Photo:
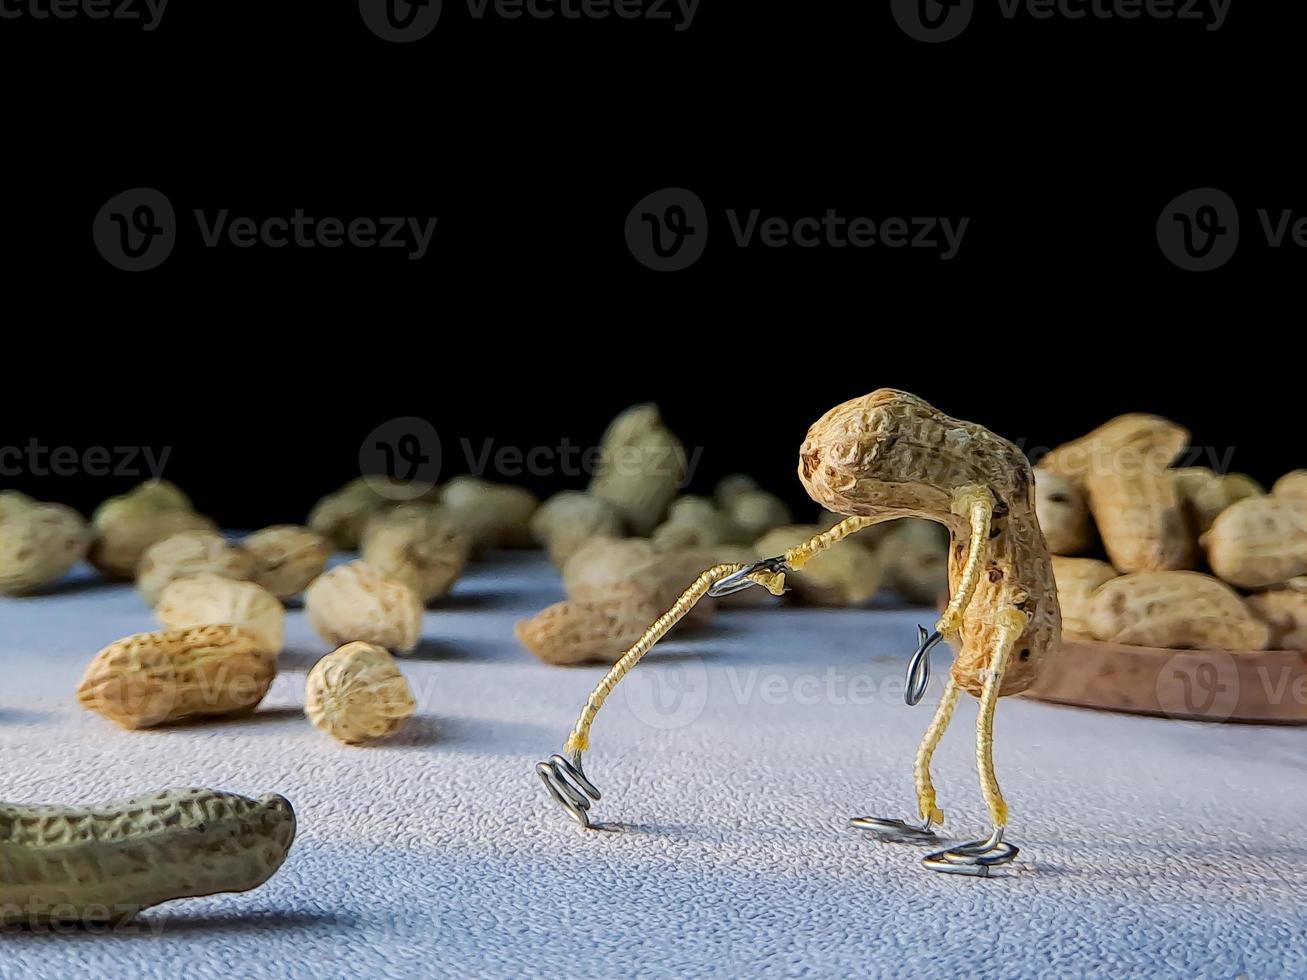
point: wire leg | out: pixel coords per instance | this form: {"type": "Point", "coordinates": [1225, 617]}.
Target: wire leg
{"type": "Point", "coordinates": [900, 831]}
{"type": "Point", "coordinates": [977, 857]}
{"type": "Point", "coordinates": [925, 786]}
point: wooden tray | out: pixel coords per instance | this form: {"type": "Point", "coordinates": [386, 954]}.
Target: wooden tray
{"type": "Point", "coordinates": [1263, 686]}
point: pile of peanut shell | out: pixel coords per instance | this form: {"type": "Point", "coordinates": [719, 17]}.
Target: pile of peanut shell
{"type": "Point", "coordinates": [220, 603]}
{"type": "Point", "coordinates": [1148, 553]}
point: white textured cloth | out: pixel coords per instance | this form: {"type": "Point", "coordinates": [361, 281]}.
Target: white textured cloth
{"type": "Point", "coordinates": [729, 762]}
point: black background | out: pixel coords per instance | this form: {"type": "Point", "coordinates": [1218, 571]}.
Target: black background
{"type": "Point", "coordinates": [529, 321]}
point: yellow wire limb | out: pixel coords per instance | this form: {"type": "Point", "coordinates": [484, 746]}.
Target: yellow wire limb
{"type": "Point", "coordinates": [977, 503]}
{"type": "Point", "coordinates": [773, 582]}
{"type": "Point", "coordinates": [1009, 632]}
{"type": "Point", "coordinates": [925, 786]}
{"type": "Point", "coordinates": [579, 740]}
{"type": "Point", "coordinates": [801, 554]}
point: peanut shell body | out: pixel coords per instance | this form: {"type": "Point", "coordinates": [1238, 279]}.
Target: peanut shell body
{"type": "Point", "coordinates": [356, 602]}
{"type": "Point", "coordinates": [1140, 518]}
{"type": "Point", "coordinates": [597, 630]}
{"type": "Point", "coordinates": [1174, 610]}
{"type": "Point", "coordinates": [209, 600]}
{"type": "Point", "coordinates": [1292, 485]}
{"type": "Point", "coordinates": [641, 467]}
{"type": "Point", "coordinates": [915, 556]}
{"type": "Point", "coordinates": [890, 454]}
{"type": "Point", "coordinates": [1259, 542]}
{"type": "Point", "coordinates": [490, 515]}
{"type": "Point", "coordinates": [1206, 494]}
{"type": "Point", "coordinates": [122, 542]}
{"type": "Point", "coordinates": [287, 558]}
{"type": "Point", "coordinates": [419, 546]}
{"type": "Point", "coordinates": [151, 497]}
{"type": "Point", "coordinates": [567, 520]}
{"type": "Point", "coordinates": [1285, 612]}
{"type": "Point", "coordinates": [357, 694]}
{"type": "Point", "coordinates": [1063, 513]}
{"type": "Point", "coordinates": [756, 512]}
{"type": "Point", "coordinates": [1148, 441]}
{"type": "Point", "coordinates": [695, 522]}
{"type": "Point", "coordinates": [104, 864]}
{"type": "Point", "coordinates": [730, 487]}
{"type": "Point", "coordinates": [186, 554]}
{"type": "Point", "coordinates": [634, 564]}
{"type": "Point", "coordinates": [159, 678]}
{"type": "Point", "coordinates": [39, 544]}
{"type": "Point", "coordinates": [1077, 579]}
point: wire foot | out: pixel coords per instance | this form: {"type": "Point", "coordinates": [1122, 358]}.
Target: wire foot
{"type": "Point", "coordinates": [974, 858]}
{"type": "Point", "coordinates": [895, 831]}
{"type": "Point", "coordinates": [568, 785]}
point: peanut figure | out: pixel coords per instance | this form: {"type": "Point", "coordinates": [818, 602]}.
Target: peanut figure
{"type": "Point", "coordinates": [889, 455]}
{"type": "Point", "coordinates": [881, 457]}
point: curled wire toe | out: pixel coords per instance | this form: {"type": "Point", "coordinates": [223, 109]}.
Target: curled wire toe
{"type": "Point", "coordinates": [974, 858]}
{"type": "Point", "coordinates": [568, 785]}
{"type": "Point", "coordinates": [895, 831]}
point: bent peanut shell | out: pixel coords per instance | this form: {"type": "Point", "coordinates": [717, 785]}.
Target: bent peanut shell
{"type": "Point", "coordinates": [104, 864]}
{"type": "Point", "coordinates": [890, 454]}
